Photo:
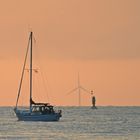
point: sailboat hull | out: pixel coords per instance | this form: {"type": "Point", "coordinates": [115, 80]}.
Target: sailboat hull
{"type": "Point", "coordinates": [27, 116]}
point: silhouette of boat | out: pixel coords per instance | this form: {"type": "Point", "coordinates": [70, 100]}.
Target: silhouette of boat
{"type": "Point", "coordinates": [36, 111]}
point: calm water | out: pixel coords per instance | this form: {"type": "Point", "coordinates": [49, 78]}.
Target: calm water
{"type": "Point", "coordinates": [77, 123]}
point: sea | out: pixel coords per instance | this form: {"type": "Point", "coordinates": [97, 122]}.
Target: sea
{"type": "Point", "coordinates": [77, 123]}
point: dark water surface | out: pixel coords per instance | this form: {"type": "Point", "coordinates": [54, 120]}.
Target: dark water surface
{"type": "Point", "coordinates": [77, 123]}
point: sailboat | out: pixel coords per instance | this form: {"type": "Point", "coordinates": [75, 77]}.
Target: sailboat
{"type": "Point", "coordinates": [35, 111]}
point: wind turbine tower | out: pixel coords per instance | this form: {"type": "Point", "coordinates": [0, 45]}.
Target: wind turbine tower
{"type": "Point", "coordinates": [79, 88]}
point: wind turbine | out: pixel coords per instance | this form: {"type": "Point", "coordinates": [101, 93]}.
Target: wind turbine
{"type": "Point", "coordinates": [79, 88]}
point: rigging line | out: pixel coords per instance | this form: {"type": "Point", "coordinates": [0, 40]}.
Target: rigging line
{"type": "Point", "coordinates": [36, 88]}
{"type": "Point", "coordinates": [23, 71]}
{"type": "Point", "coordinates": [42, 75]}
{"type": "Point", "coordinates": [34, 39]}
{"type": "Point", "coordinates": [44, 85]}
{"type": "Point", "coordinates": [37, 85]}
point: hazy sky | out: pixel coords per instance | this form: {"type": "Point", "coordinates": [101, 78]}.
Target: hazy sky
{"type": "Point", "coordinates": [100, 39]}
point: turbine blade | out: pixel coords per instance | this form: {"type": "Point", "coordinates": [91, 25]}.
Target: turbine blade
{"type": "Point", "coordinates": [72, 91]}
{"type": "Point", "coordinates": [85, 90]}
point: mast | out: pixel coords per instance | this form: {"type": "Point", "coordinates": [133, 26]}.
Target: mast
{"type": "Point", "coordinates": [31, 35]}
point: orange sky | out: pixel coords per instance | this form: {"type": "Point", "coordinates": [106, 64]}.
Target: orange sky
{"type": "Point", "coordinates": [100, 39]}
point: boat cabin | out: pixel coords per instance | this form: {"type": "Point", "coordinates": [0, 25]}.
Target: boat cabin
{"type": "Point", "coordinates": [43, 108]}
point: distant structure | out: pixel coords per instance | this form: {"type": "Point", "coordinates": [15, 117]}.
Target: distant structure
{"type": "Point", "coordinates": [79, 88]}
{"type": "Point", "coordinates": [93, 101]}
